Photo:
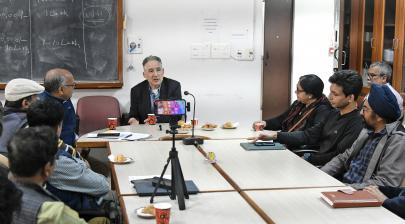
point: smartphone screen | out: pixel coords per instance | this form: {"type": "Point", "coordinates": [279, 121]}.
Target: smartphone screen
{"type": "Point", "coordinates": [170, 107]}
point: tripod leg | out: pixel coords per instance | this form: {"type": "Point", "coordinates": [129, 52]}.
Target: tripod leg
{"type": "Point", "coordinates": [179, 184]}
{"type": "Point", "coordinates": [182, 178]}
{"type": "Point", "coordinates": [173, 190]}
{"type": "Point", "coordinates": [160, 179]}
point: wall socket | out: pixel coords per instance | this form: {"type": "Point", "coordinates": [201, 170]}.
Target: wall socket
{"type": "Point", "coordinates": [246, 54]}
{"type": "Point", "coordinates": [134, 45]}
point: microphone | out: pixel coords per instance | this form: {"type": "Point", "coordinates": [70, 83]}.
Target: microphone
{"type": "Point", "coordinates": [192, 140]}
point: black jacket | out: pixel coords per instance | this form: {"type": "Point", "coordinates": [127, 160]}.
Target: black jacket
{"type": "Point", "coordinates": [396, 200]}
{"type": "Point", "coordinates": [140, 99]}
{"type": "Point", "coordinates": [318, 116]}
{"type": "Point", "coordinates": [333, 136]}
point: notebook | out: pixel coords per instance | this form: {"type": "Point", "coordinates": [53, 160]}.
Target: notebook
{"type": "Point", "coordinates": [337, 199]}
{"type": "Point", "coordinates": [250, 146]}
{"type": "Point", "coordinates": [144, 188]}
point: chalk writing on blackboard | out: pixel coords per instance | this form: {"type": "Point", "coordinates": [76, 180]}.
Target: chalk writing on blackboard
{"type": "Point", "coordinates": [79, 35]}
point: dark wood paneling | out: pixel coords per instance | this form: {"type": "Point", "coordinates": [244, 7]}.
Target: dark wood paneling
{"type": "Point", "coordinates": [278, 24]}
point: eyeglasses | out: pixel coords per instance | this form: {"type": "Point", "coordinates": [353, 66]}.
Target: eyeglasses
{"type": "Point", "coordinates": [299, 90]}
{"type": "Point", "coordinates": [366, 109]}
{"type": "Point", "coordinates": [71, 85]}
{"type": "Point", "coordinates": [373, 75]}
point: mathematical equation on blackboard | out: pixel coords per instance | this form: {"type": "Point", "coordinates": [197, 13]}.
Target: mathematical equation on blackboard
{"type": "Point", "coordinates": [37, 35]}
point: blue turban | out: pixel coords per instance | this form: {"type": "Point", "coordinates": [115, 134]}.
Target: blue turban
{"type": "Point", "coordinates": [383, 102]}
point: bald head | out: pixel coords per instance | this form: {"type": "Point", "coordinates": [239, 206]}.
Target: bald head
{"type": "Point", "coordinates": [57, 81]}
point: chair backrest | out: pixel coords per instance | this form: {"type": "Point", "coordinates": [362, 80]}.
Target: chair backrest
{"type": "Point", "coordinates": [93, 112]}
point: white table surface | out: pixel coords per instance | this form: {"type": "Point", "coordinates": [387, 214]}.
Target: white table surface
{"type": "Point", "coordinates": [305, 206]}
{"type": "Point", "coordinates": [153, 130]}
{"type": "Point", "coordinates": [150, 157]}
{"type": "Point", "coordinates": [266, 169]}
{"type": "Point", "coordinates": [241, 132]}
{"type": "Point", "coordinates": [221, 208]}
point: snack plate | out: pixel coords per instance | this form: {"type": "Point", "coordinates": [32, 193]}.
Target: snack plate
{"type": "Point", "coordinates": [183, 130]}
{"type": "Point", "coordinates": [234, 126]}
{"type": "Point", "coordinates": [127, 159]}
{"type": "Point", "coordinates": [144, 215]}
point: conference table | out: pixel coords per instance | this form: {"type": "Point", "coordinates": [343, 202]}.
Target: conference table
{"type": "Point", "coordinates": [214, 208]}
{"type": "Point", "coordinates": [158, 132]}
{"type": "Point", "coordinates": [305, 206]}
{"type": "Point", "coordinates": [266, 186]}
{"type": "Point", "coordinates": [149, 159]}
{"type": "Point", "coordinates": [266, 169]}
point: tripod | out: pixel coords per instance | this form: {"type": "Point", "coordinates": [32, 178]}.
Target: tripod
{"type": "Point", "coordinates": [178, 186]}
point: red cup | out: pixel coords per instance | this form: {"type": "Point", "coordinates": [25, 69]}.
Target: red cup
{"type": "Point", "coordinates": [162, 213]}
{"type": "Point", "coordinates": [194, 122]}
{"type": "Point", "coordinates": [112, 123]}
{"type": "Point", "coordinates": [152, 119]}
{"type": "Point", "coordinates": [259, 126]}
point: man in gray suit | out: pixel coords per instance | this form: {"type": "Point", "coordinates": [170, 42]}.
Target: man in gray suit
{"type": "Point", "coordinates": [377, 157]}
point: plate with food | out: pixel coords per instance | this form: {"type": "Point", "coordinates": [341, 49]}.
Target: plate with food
{"type": "Point", "coordinates": [120, 159]}
{"type": "Point", "coordinates": [183, 130]}
{"type": "Point", "coordinates": [209, 127]}
{"type": "Point", "coordinates": [147, 212]}
{"type": "Point", "coordinates": [230, 125]}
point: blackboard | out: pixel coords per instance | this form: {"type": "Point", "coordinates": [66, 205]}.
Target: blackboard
{"type": "Point", "coordinates": [83, 36]}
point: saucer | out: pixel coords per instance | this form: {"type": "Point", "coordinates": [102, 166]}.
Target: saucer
{"type": "Point", "coordinates": [127, 159]}
{"type": "Point", "coordinates": [144, 215]}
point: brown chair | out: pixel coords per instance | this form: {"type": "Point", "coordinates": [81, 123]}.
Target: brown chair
{"type": "Point", "coordinates": [93, 111]}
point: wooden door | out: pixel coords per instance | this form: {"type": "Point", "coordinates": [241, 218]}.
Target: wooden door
{"type": "Point", "coordinates": [278, 25]}
{"type": "Point", "coordinates": [398, 46]}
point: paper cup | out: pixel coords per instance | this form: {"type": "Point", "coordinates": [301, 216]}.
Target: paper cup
{"type": "Point", "coordinates": [112, 123]}
{"type": "Point", "coordinates": [152, 119]}
{"type": "Point", "coordinates": [162, 213]}
{"type": "Point", "coordinates": [194, 122]}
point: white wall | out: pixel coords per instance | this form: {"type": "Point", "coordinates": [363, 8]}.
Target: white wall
{"type": "Point", "coordinates": [312, 37]}
{"type": "Point", "coordinates": [225, 89]}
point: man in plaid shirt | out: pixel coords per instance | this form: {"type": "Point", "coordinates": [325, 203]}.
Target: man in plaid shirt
{"type": "Point", "coordinates": [377, 157]}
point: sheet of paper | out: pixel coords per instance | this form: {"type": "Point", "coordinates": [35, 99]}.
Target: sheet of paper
{"type": "Point", "coordinates": [129, 136]}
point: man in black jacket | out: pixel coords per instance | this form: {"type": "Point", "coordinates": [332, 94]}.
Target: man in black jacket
{"type": "Point", "coordinates": [393, 198]}
{"type": "Point", "coordinates": [336, 133]}
{"type": "Point", "coordinates": [155, 87]}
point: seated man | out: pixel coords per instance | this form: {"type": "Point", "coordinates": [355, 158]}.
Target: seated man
{"type": "Point", "coordinates": [59, 85]}
{"type": "Point", "coordinates": [377, 156]}
{"type": "Point", "coordinates": [10, 198]}
{"type": "Point", "coordinates": [393, 198]}
{"type": "Point", "coordinates": [380, 72]}
{"type": "Point", "coordinates": [32, 156]}
{"type": "Point", "coordinates": [72, 180]}
{"type": "Point", "coordinates": [155, 87]}
{"type": "Point", "coordinates": [19, 94]}
{"type": "Point", "coordinates": [336, 133]}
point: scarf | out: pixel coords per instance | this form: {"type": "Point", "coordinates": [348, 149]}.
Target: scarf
{"type": "Point", "coordinates": [299, 113]}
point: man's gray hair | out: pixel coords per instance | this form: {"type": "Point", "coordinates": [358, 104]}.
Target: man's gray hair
{"type": "Point", "coordinates": [53, 83]}
{"type": "Point", "coordinates": [384, 68]}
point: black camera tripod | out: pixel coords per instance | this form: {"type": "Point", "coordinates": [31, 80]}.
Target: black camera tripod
{"type": "Point", "coordinates": [178, 186]}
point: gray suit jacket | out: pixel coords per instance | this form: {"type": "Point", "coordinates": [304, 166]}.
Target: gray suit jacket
{"type": "Point", "coordinates": [387, 165]}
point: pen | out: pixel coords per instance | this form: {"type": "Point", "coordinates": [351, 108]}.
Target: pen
{"type": "Point", "coordinates": [128, 136]}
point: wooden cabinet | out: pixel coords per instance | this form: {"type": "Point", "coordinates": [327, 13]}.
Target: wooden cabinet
{"type": "Point", "coordinates": [373, 30]}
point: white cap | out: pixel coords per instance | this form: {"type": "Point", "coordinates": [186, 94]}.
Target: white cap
{"type": "Point", "coordinates": [17, 89]}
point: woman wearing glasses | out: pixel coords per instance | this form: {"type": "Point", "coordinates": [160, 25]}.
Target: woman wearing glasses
{"type": "Point", "coordinates": [310, 108]}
